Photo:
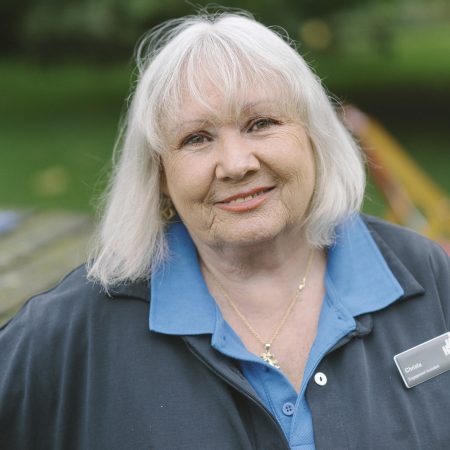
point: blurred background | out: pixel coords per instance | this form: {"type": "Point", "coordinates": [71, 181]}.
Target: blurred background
{"type": "Point", "coordinates": [66, 65]}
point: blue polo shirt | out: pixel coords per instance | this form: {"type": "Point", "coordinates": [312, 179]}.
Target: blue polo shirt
{"type": "Point", "coordinates": [357, 281]}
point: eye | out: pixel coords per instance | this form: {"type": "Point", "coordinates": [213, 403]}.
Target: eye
{"type": "Point", "coordinates": [194, 139]}
{"type": "Point", "coordinates": [262, 123]}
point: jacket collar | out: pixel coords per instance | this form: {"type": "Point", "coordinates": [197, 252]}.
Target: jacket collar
{"type": "Point", "coordinates": [130, 290]}
{"type": "Point", "coordinates": [407, 281]}
{"type": "Point", "coordinates": [411, 287]}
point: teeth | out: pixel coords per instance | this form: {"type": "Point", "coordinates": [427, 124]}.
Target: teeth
{"type": "Point", "coordinates": [244, 199]}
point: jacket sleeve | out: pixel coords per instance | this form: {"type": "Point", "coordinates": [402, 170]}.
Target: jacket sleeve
{"type": "Point", "coordinates": [440, 264]}
{"type": "Point", "coordinates": [41, 364]}
{"type": "Point", "coordinates": [25, 381]}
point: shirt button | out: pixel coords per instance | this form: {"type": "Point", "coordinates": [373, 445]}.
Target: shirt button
{"type": "Point", "coordinates": [320, 378]}
{"type": "Point", "coordinates": [288, 409]}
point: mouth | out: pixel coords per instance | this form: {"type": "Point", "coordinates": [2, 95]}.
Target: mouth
{"type": "Point", "coordinates": [246, 201]}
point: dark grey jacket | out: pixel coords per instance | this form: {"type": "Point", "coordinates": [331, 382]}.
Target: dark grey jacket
{"type": "Point", "coordinates": [80, 370]}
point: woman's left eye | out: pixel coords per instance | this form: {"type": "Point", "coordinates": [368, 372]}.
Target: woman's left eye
{"type": "Point", "coordinates": [262, 123]}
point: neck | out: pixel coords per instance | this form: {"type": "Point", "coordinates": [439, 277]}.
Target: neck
{"type": "Point", "coordinates": [241, 261]}
{"type": "Point", "coordinates": [260, 278]}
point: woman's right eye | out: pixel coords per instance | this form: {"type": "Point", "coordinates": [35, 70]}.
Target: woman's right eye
{"type": "Point", "coordinates": [194, 139]}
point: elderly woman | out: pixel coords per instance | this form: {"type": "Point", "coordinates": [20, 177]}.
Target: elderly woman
{"type": "Point", "coordinates": [235, 298]}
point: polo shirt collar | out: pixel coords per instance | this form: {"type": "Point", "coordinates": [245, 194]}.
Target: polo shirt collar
{"type": "Point", "coordinates": [358, 272]}
{"type": "Point", "coordinates": [182, 305]}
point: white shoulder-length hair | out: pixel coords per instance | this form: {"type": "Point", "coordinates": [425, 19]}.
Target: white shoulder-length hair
{"type": "Point", "coordinates": [234, 52]}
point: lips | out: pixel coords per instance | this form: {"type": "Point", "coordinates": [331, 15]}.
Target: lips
{"type": "Point", "coordinates": [246, 201]}
{"type": "Point", "coordinates": [245, 196]}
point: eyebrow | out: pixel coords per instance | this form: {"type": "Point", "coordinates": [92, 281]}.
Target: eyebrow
{"type": "Point", "coordinates": [188, 124]}
{"type": "Point", "coordinates": [206, 120]}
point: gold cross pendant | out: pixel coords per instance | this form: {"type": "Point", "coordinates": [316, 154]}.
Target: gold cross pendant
{"type": "Point", "coordinates": [268, 357]}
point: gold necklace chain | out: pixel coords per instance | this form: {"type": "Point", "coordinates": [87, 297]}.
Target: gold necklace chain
{"type": "Point", "coordinates": [267, 356]}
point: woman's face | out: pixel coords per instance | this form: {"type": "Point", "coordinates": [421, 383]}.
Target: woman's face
{"type": "Point", "coordinates": [241, 178]}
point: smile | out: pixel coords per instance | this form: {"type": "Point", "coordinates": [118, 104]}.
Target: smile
{"type": "Point", "coordinates": [245, 201]}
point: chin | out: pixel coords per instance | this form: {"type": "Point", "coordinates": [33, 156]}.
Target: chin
{"type": "Point", "coordinates": [249, 234]}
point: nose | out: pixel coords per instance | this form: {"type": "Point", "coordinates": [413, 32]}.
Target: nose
{"type": "Point", "coordinates": [236, 157]}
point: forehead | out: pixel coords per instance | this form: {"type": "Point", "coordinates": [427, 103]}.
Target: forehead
{"type": "Point", "coordinates": [217, 107]}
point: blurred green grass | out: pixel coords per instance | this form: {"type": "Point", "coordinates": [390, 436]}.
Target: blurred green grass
{"type": "Point", "coordinates": [58, 126]}
{"type": "Point", "coordinates": [415, 56]}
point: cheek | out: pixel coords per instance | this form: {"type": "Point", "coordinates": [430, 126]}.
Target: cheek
{"type": "Point", "coordinates": [185, 180]}
{"type": "Point", "coordinates": [293, 158]}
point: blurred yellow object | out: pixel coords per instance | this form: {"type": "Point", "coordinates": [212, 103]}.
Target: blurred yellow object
{"type": "Point", "coordinates": [316, 34]}
{"type": "Point", "coordinates": [51, 182]}
{"type": "Point", "coordinates": [413, 199]}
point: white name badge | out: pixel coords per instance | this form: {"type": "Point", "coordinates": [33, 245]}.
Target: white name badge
{"type": "Point", "coordinates": [425, 361]}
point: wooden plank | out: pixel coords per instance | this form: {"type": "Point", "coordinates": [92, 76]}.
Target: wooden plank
{"type": "Point", "coordinates": [38, 254]}
{"type": "Point", "coordinates": [37, 231]}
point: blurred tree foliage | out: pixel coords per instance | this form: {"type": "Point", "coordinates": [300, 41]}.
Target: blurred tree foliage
{"type": "Point", "coordinates": [107, 29]}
